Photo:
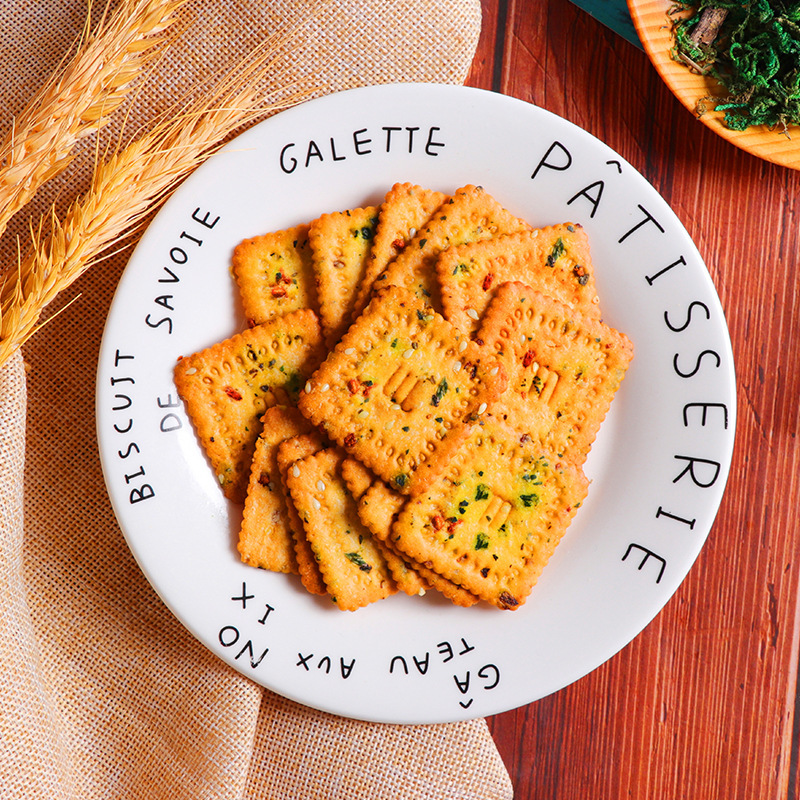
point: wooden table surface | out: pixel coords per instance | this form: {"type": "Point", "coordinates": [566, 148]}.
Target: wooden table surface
{"type": "Point", "coordinates": [701, 705]}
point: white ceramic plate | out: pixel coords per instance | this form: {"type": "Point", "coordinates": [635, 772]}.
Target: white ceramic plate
{"type": "Point", "coordinates": [658, 467]}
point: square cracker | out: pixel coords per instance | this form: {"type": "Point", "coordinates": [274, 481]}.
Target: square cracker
{"type": "Point", "coordinates": [359, 481]}
{"type": "Point", "coordinates": [352, 564]}
{"type": "Point", "coordinates": [401, 390]}
{"type": "Point", "coordinates": [289, 452]}
{"type": "Point", "coordinates": [266, 539]}
{"type": "Point", "coordinates": [378, 508]}
{"type": "Point", "coordinates": [405, 209]}
{"type": "Point", "coordinates": [274, 274]}
{"type": "Point", "coordinates": [492, 521]}
{"type": "Point", "coordinates": [470, 215]}
{"type": "Point", "coordinates": [563, 368]}
{"type": "Point", "coordinates": [556, 260]}
{"type": "Point", "coordinates": [340, 245]}
{"type": "Point", "coordinates": [227, 387]}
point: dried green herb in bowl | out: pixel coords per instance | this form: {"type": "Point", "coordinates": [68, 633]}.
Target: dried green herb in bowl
{"type": "Point", "coordinates": [752, 49]}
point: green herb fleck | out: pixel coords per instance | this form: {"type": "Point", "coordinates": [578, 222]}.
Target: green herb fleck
{"type": "Point", "coordinates": [481, 541]}
{"type": "Point", "coordinates": [529, 500]}
{"type": "Point", "coordinates": [358, 561]}
{"type": "Point", "coordinates": [556, 253]}
{"type": "Point", "coordinates": [441, 391]}
{"type": "Point", "coordinates": [481, 492]}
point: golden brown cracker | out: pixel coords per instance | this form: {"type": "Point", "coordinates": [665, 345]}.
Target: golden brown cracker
{"type": "Point", "coordinates": [274, 274]}
{"type": "Point", "coordinates": [291, 451]}
{"type": "Point", "coordinates": [362, 483]}
{"type": "Point", "coordinates": [492, 521]}
{"type": "Point", "coordinates": [340, 244]}
{"type": "Point", "coordinates": [265, 538]}
{"type": "Point", "coordinates": [564, 368]}
{"type": "Point", "coordinates": [352, 565]}
{"type": "Point", "coordinates": [406, 209]}
{"type": "Point", "coordinates": [227, 387]}
{"type": "Point", "coordinates": [555, 260]}
{"type": "Point", "coordinates": [378, 509]}
{"type": "Point", "coordinates": [470, 215]}
{"type": "Point", "coordinates": [401, 390]}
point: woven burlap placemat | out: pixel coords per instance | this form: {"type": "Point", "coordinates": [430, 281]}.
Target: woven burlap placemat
{"type": "Point", "coordinates": [102, 692]}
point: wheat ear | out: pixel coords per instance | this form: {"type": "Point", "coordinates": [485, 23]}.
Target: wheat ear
{"type": "Point", "coordinates": [79, 98]}
{"type": "Point", "coordinates": [126, 186]}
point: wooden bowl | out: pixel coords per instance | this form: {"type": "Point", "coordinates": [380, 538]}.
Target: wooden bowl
{"type": "Point", "coordinates": [653, 27]}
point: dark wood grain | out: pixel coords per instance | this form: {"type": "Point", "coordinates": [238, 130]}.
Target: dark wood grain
{"type": "Point", "coordinates": [701, 705]}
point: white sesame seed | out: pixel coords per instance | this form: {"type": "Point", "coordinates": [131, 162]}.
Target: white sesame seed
{"type": "Point", "coordinates": [296, 471]}
{"type": "Point", "coordinates": [191, 370]}
{"type": "Point", "coordinates": [221, 479]}
{"type": "Point", "coordinates": [494, 371]}
{"type": "Point", "coordinates": [321, 485]}
{"type": "Point", "coordinates": [412, 232]}
{"type": "Point", "coordinates": [481, 408]}
{"type": "Point", "coordinates": [363, 413]}
{"type": "Point", "coordinates": [522, 338]}
{"type": "Point", "coordinates": [462, 345]}
{"type": "Point", "coordinates": [457, 366]}
{"type": "Point", "coordinates": [389, 425]}
{"type": "Point", "coordinates": [308, 387]}
{"type": "Point", "coordinates": [349, 351]}
{"type": "Point", "coordinates": [317, 503]}
{"type": "Point", "coordinates": [325, 387]}
{"type": "Point", "coordinates": [408, 353]}
{"type": "Point", "coordinates": [395, 407]}
{"type": "Point", "coordinates": [472, 313]}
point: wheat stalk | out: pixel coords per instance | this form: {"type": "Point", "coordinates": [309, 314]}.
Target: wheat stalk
{"type": "Point", "coordinates": [79, 98]}
{"type": "Point", "coordinates": [126, 186]}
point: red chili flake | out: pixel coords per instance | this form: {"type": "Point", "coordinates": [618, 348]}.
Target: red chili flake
{"type": "Point", "coordinates": [479, 342]}
{"type": "Point", "coordinates": [353, 386]}
{"type": "Point", "coordinates": [438, 522]}
{"type": "Point", "coordinates": [263, 479]}
{"type": "Point", "coordinates": [527, 359]}
{"type": "Point", "coordinates": [232, 393]}
{"type": "Point", "coordinates": [350, 440]}
{"type": "Point", "coordinates": [399, 244]}
{"type": "Point", "coordinates": [251, 323]}
{"type": "Point", "coordinates": [526, 437]}
{"type": "Point", "coordinates": [286, 279]}
{"type": "Point", "coordinates": [451, 526]}
{"type": "Point", "coordinates": [366, 390]}
{"type": "Point", "coordinates": [487, 281]}
{"type": "Point", "coordinates": [278, 291]}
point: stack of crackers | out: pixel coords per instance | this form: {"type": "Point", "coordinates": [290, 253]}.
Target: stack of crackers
{"type": "Point", "coordinates": [413, 400]}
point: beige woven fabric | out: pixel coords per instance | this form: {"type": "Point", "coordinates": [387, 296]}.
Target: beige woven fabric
{"type": "Point", "coordinates": [103, 694]}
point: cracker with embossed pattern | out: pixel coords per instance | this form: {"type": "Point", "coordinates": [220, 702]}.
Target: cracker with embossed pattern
{"type": "Point", "coordinates": [378, 508]}
{"type": "Point", "coordinates": [470, 215]}
{"type": "Point", "coordinates": [266, 539]}
{"type": "Point", "coordinates": [340, 245]}
{"type": "Point", "coordinates": [406, 208]}
{"type": "Point", "coordinates": [402, 390]}
{"type": "Point", "coordinates": [274, 274]}
{"type": "Point", "coordinates": [556, 260]}
{"type": "Point", "coordinates": [563, 368]}
{"type": "Point", "coordinates": [227, 387]}
{"type": "Point", "coordinates": [291, 451]}
{"type": "Point", "coordinates": [491, 523]}
{"type": "Point", "coordinates": [359, 481]}
{"type": "Point", "coordinates": [351, 562]}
